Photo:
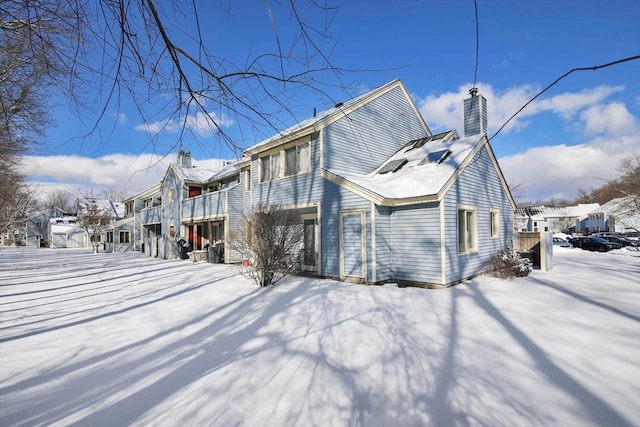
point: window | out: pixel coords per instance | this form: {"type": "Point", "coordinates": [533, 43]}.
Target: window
{"type": "Point", "coordinates": [109, 237]}
{"type": "Point", "coordinates": [495, 223]}
{"type": "Point", "coordinates": [298, 159]}
{"type": "Point", "coordinates": [270, 167]}
{"type": "Point", "coordinates": [172, 231]}
{"type": "Point", "coordinates": [172, 194]}
{"type": "Point", "coordinates": [128, 208]}
{"type": "Point", "coordinates": [467, 229]}
{"type": "Point", "coordinates": [124, 237]}
{"type": "Point", "coordinates": [247, 179]}
{"type": "Point", "coordinates": [436, 157]}
{"type": "Point", "coordinates": [393, 165]}
{"type": "Point", "coordinates": [38, 224]}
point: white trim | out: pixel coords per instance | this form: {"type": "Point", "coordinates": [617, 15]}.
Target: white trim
{"type": "Point", "coordinates": [374, 258]}
{"type": "Point", "coordinates": [474, 246]}
{"type": "Point", "coordinates": [313, 216]}
{"type": "Point", "coordinates": [443, 246]}
{"type": "Point", "coordinates": [495, 235]}
{"type": "Point", "coordinates": [363, 245]}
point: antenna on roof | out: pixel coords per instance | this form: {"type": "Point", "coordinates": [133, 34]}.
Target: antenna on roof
{"type": "Point", "coordinates": [314, 111]}
{"type": "Point", "coordinates": [473, 91]}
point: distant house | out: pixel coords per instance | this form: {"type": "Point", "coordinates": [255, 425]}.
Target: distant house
{"type": "Point", "coordinates": [617, 215]}
{"type": "Point", "coordinates": [569, 219]}
{"type": "Point", "coordinates": [66, 233]}
{"type": "Point", "coordinates": [380, 197]}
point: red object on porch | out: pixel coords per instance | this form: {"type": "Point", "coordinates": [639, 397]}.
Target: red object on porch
{"type": "Point", "coordinates": [246, 262]}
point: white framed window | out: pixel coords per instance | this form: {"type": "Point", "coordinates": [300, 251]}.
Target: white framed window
{"type": "Point", "coordinates": [124, 237]}
{"type": "Point", "coordinates": [297, 159]}
{"type": "Point", "coordinates": [270, 167]}
{"type": "Point", "coordinates": [467, 229]}
{"type": "Point", "coordinates": [494, 223]}
{"type": "Point", "coordinates": [172, 194]}
{"type": "Point", "coordinates": [247, 179]}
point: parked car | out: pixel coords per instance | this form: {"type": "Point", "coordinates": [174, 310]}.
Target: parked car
{"type": "Point", "coordinates": [594, 244]}
{"type": "Point", "coordinates": [622, 240]}
{"type": "Point", "coordinates": [632, 235]}
{"type": "Point", "coordinates": [559, 241]}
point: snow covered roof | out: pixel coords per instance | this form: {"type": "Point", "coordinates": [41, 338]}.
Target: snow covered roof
{"type": "Point", "coordinates": [341, 108]}
{"type": "Point", "coordinates": [194, 174]}
{"type": "Point", "coordinates": [421, 169]}
{"type": "Point", "coordinates": [612, 206]}
{"type": "Point", "coordinates": [544, 212]}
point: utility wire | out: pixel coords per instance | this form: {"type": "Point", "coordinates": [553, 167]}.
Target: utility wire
{"type": "Point", "coordinates": [596, 67]}
{"type": "Point", "coordinates": [475, 74]}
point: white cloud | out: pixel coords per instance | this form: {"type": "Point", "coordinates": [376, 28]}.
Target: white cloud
{"type": "Point", "coordinates": [444, 111]}
{"type": "Point", "coordinates": [606, 132]}
{"type": "Point", "coordinates": [560, 170]}
{"type": "Point", "coordinates": [611, 119]}
{"type": "Point", "coordinates": [201, 123]}
{"type": "Point", "coordinates": [132, 173]}
{"type": "Point", "coordinates": [121, 118]}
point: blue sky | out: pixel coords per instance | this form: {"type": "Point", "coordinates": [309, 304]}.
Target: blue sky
{"type": "Point", "coordinates": [571, 137]}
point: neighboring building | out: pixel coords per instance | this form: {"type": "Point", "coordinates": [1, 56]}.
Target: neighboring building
{"type": "Point", "coordinates": [568, 219]}
{"type": "Point", "coordinates": [66, 233]}
{"type": "Point", "coordinates": [380, 197]}
{"type": "Point", "coordinates": [618, 215]}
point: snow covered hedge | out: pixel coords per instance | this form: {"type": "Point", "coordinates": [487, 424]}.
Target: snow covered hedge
{"type": "Point", "coordinates": [508, 264]}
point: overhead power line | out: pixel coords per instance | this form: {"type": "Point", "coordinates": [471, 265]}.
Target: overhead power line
{"type": "Point", "coordinates": [596, 67]}
{"type": "Point", "coordinates": [475, 73]}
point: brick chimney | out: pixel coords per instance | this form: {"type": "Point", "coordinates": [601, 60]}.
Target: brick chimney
{"type": "Point", "coordinates": [474, 111]}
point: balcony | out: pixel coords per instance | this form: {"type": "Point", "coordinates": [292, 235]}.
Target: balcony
{"type": "Point", "coordinates": [205, 206]}
{"type": "Point", "coordinates": [151, 215]}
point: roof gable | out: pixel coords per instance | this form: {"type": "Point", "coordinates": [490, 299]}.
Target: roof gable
{"type": "Point", "coordinates": [328, 116]}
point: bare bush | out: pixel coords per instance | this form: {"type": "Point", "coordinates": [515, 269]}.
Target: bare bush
{"type": "Point", "coordinates": [269, 243]}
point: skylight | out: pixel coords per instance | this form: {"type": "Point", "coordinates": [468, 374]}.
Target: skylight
{"type": "Point", "coordinates": [436, 157]}
{"type": "Point", "coordinates": [393, 165]}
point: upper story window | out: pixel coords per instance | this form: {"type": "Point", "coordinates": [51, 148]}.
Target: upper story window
{"type": "Point", "coordinates": [270, 167]}
{"type": "Point", "coordinates": [172, 194]}
{"type": "Point", "coordinates": [128, 208]}
{"type": "Point", "coordinates": [298, 159]}
{"type": "Point", "coordinates": [247, 179]}
{"type": "Point", "coordinates": [291, 159]}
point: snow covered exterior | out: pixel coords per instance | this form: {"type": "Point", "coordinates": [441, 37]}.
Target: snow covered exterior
{"type": "Point", "coordinates": [381, 198]}
{"type": "Point", "coordinates": [568, 219]}
{"type": "Point", "coordinates": [618, 215]}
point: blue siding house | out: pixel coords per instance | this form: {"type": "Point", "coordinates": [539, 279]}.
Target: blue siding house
{"type": "Point", "coordinates": [380, 197]}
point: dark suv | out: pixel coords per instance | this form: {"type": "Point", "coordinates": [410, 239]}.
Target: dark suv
{"type": "Point", "coordinates": [594, 244]}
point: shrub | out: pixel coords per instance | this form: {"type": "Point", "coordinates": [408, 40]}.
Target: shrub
{"type": "Point", "coordinates": [508, 264]}
{"type": "Point", "coordinates": [269, 242]}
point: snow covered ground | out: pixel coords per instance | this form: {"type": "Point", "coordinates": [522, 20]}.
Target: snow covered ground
{"type": "Point", "coordinates": [121, 339]}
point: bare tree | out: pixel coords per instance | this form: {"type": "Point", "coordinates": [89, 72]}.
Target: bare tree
{"type": "Point", "coordinates": [94, 219]}
{"type": "Point", "coordinates": [114, 195]}
{"type": "Point", "coordinates": [270, 243]}
{"type": "Point", "coordinates": [61, 199]}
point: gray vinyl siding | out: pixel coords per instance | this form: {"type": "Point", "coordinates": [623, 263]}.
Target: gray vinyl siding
{"type": "Point", "coordinates": [383, 256]}
{"type": "Point", "coordinates": [415, 239]}
{"type": "Point", "coordinates": [171, 215]}
{"type": "Point", "coordinates": [299, 189]}
{"type": "Point", "coordinates": [479, 185]}
{"type": "Point", "coordinates": [236, 200]}
{"type": "Point", "coordinates": [336, 199]}
{"type": "Point", "coordinates": [371, 133]}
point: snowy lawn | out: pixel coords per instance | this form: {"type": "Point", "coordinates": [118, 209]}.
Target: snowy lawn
{"type": "Point", "coordinates": [121, 339]}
